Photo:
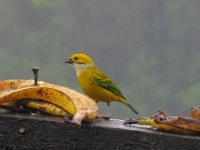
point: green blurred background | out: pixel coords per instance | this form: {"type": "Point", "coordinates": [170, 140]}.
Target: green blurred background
{"type": "Point", "coordinates": [151, 48]}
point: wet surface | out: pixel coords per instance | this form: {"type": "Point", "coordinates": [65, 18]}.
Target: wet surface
{"type": "Point", "coordinates": [49, 132]}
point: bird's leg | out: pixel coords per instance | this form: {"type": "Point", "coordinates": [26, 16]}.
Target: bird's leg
{"type": "Point", "coordinates": [108, 114]}
{"type": "Point", "coordinates": [104, 117]}
{"type": "Point", "coordinates": [108, 105]}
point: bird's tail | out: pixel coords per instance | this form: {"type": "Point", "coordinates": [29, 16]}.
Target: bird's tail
{"type": "Point", "coordinates": [132, 108]}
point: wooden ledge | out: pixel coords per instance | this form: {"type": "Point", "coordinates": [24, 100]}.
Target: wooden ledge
{"type": "Point", "coordinates": [22, 131]}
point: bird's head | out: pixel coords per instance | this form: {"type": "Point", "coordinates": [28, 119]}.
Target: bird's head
{"type": "Point", "coordinates": [80, 61]}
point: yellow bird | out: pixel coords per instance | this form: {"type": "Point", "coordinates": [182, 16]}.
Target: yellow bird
{"type": "Point", "coordinates": [94, 82]}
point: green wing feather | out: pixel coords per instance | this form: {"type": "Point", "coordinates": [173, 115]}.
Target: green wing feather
{"type": "Point", "coordinates": [104, 81]}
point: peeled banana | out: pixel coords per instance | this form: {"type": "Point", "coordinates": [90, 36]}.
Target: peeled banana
{"type": "Point", "coordinates": [74, 103]}
{"type": "Point", "coordinates": [47, 94]}
{"type": "Point", "coordinates": [44, 107]}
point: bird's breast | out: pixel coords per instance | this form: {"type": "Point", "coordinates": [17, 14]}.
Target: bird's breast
{"type": "Point", "coordinates": [93, 90]}
{"type": "Point", "coordinates": [87, 83]}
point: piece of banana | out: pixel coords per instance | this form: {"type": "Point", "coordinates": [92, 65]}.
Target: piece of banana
{"type": "Point", "coordinates": [47, 107]}
{"type": "Point", "coordinates": [195, 112]}
{"type": "Point", "coordinates": [37, 105]}
{"type": "Point", "coordinates": [160, 121]}
{"type": "Point", "coordinates": [47, 94]}
{"type": "Point", "coordinates": [176, 125]}
{"type": "Point", "coordinates": [76, 104]}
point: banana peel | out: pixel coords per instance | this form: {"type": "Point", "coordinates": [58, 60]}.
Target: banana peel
{"type": "Point", "coordinates": [195, 112]}
{"type": "Point", "coordinates": [8, 85]}
{"type": "Point", "coordinates": [180, 125]}
{"type": "Point", "coordinates": [69, 101]}
{"type": "Point", "coordinates": [47, 108]}
{"type": "Point", "coordinates": [34, 106]}
{"type": "Point", "coordinates": [47, 94]}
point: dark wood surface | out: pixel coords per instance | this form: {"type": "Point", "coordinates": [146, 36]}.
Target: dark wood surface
{"type": "Point", "coordinates": [19, 131]}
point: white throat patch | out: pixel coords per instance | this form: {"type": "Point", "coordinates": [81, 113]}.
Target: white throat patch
{"type": "Point", "coordinates": [80, 68]}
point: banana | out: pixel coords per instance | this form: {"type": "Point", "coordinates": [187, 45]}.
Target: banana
{"type": "Point", "coordinates": [37, 105]}
{"type": "Point", "coordinates": [9, 104]}
{"type": "Point", "coordinates": [47, 94]}
{"type": "Point", "coordinates": [47, 108]}
{"type": "Point", "coordinates": [181, 125]}
{"type": "Point", "coordinates": [8, 85]}
{"type": "Point", "coordinates": [195, 112]}
{"type": "Point", "coordinates": [70, 101]}
{"type": "Point", "coordinates": [176, 125]}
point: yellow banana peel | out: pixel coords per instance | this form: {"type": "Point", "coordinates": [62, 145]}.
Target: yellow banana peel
{"type": "Point", "coordinates": [47, 94]}
{"type": "Point", "coordinates": [181, 125]}
{"type": "Point", "coordinates": [47, 107]}
{"type": "Point", "coordinates": [76, 104]}
{"type": "Point", "coordinates": [195, 112]}
{"type": "Point", "coordinates": [186, 127]}
{"type": "Point", "coordinates": [37, 105]}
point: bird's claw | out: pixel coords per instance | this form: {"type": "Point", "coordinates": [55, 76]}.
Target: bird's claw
{"type": "Point", "coordinates": [130, 121]}
{"type": "Point", "coordinates": [103, 117]}
{"type": "Point", "coordinates": [70, 120]}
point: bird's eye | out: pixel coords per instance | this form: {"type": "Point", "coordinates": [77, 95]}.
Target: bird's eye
{"type": "Point", "coordinates": [75, 58]}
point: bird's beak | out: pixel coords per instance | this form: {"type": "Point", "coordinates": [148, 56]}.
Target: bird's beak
{"type": "Point", "coordinates": [69, 61]}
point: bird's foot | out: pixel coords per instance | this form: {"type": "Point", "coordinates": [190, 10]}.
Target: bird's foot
{"type": "Point", "coordinates": [103, 117]}
{"type": "Point", "coordinates": [70, 120]}
{"type": "Point", "coordinates": [130, 121]}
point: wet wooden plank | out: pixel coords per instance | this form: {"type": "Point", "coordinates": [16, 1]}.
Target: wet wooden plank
{"type": "Point", "coordinates": [19, 131]}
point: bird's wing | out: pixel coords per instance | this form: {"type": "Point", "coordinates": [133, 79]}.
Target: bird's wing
{"type": "Point", "coordinates": [104, 81]}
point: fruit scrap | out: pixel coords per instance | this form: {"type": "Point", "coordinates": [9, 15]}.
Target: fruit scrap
{"type": "Point", "coordinates": [44, 107]}
{"type": "Point", "coordinates": [50, 95]}
{"type": "Point", "coordinates": [160, 121]}
{"type": "Point", "coordinates": [195, 112]}
{"type": "Point", "coordinates": [54, 99]}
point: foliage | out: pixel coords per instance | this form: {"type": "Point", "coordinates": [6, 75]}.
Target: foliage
{"type": "Point", "coordinates": [151, 48]}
